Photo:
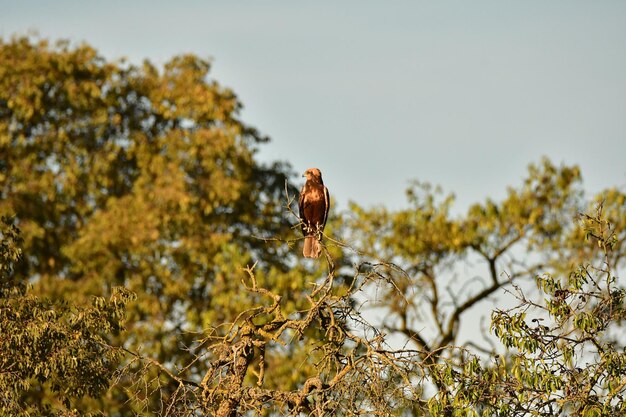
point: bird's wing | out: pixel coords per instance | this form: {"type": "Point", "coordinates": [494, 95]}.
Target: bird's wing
{"type": "Point", "coordinates": [301, 210]}
{"type": "Point", "coordinates": [326, 206]}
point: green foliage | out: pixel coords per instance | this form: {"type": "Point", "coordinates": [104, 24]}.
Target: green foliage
{"type": "Point", "coordinates": [561, 358]}
{"type": "Point", "coordinates": [137, 177]}
{"type": "Point", "coordinates": [47, 345]}
{"type": "Point", "coordinates": [10, 253]}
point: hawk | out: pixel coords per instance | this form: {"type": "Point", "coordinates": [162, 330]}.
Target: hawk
{"type": "Point", "coordinates": [314, 204]}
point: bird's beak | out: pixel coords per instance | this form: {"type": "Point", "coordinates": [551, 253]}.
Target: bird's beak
{"type": "Point", "coordinates": [304, 175]}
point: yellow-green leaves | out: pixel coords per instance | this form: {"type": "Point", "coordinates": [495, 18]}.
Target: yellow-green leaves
{"type": "Point", "coordinates": [142, 177]}
{"type": "Point", "coordinates": [51, 345]}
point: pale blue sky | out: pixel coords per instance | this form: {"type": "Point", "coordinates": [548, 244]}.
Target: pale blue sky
{"type": "Point", "coordinates": [462, 94]}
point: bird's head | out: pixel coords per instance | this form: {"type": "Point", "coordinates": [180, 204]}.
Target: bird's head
{"type": "Point", "coordinates": [313, 174]}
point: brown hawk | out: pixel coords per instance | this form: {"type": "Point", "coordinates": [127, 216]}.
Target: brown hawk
{"type": "Point", "coordinates": [314, 204]}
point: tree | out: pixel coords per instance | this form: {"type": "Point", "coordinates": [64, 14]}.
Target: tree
{"type": "Point", "coordinates": [527, 244]}
{"type": "Point", "coordinates": [129, 176]}
{"type": "Point", "coordinates": [428, 302]}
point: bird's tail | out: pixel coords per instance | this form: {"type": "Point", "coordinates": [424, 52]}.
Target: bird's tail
{"type": "Point", "coordinates": [312, 247]}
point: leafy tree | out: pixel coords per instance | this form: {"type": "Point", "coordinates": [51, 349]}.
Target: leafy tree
{"type": "Point", "coordinates": [528, 238]}
{"type": "Point", "coordinates": [524, 235]}
{"type": "Point", "coordinates": [130, 176]}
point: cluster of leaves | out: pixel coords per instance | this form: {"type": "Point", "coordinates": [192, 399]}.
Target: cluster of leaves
{"type": "Point", "coordinates": [51, 344]}
{"type": "Point", "coordinates": [564, 355]}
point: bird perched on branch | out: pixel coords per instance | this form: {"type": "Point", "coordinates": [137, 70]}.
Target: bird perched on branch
{"type": "Point", "coordinates": [314, 204]}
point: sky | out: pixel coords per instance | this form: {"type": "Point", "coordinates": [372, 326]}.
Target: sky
{"type": "Point", "coordinates": [375, 94]}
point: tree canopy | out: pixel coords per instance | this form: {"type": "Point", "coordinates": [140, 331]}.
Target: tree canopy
{"type": "Point", "coordinates": [149, 266]}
